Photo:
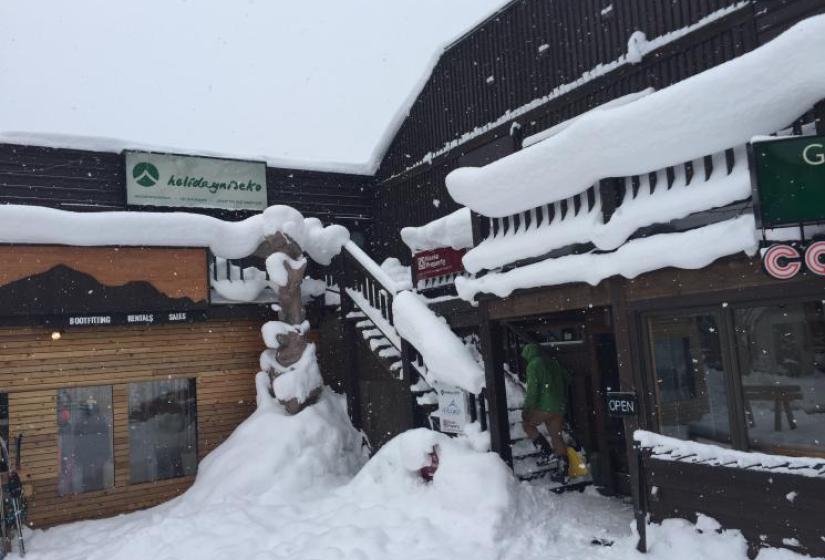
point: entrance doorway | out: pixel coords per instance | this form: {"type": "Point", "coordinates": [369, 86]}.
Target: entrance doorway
{"type": "Point", "coordinates": [582, 342]}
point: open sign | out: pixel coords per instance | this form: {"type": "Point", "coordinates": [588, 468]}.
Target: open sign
{"type": "Point", "coordinates": [784, 261]}
{"type": "Point", "coordinates": [622, 404]}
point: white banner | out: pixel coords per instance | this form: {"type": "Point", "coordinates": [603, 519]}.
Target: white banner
{"type": "Point", "coordinates": [194, 182]}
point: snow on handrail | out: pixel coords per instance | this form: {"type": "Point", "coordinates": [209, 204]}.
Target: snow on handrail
{"type": "Point", "coordinates": [372, 267]}
{"type": "Point", "coordinates": [671, 449]}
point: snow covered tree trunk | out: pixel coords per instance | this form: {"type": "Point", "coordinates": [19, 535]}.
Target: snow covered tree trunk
{"type": "Point", "coordinates": [290, 361]}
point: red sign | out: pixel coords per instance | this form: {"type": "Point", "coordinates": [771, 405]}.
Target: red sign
{"type": "Point", "coordinates": [438, 262]}
{"type": "Point", "coordinates": [786, 261]}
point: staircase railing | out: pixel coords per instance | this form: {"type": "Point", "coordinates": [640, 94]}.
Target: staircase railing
{"type": "Point", "coordinates": [370, 289]}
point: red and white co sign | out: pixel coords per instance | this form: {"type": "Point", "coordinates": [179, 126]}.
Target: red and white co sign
{"type": "Point", "coordinates": [782, 261]}
{"type": "Point", "coordinates": [785, 261]}
{"type": "Point", "coordinates": [814, 255]}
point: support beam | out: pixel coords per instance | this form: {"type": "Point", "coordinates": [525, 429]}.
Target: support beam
{"type": "Point", "coordinates": [491, 336]}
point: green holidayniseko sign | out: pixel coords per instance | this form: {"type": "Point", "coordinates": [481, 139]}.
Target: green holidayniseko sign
{"type": "Point", "coordinates": [194, 182]}
{"type": "Point", "coordinates": [789, 176]}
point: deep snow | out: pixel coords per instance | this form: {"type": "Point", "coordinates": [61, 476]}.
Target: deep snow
{"type": "Point", "coordinates": [294, 487]}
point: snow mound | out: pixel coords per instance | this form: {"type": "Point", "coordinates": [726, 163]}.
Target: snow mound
{"type": "Point", "coordinates": [452, 499]}
{"type": "Point", "coordinates": [273, 457]}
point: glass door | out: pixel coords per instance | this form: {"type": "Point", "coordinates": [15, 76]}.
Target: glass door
{"type": "Point", "coordinates": [690, 376]}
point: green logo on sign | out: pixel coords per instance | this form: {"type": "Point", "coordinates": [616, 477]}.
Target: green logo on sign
{"type": "Point", "coordinates": [145, 174]}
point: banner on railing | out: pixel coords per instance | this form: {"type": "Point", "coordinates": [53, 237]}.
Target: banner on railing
{"type": "Point", "coordinates": [437, 263]}
{"type": "Point", "coordinates": [453, 412]}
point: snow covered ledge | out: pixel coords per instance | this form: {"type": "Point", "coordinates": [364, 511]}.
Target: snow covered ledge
{"type": "Point", "coordinates": [763, 91]}
{"type": "Point", "coordinates": [228, 240]}
{"type": "Point", "coordinates": [453, 230]}
{"type": "Point", "coordinates": [667, 448]}
{"type": "Point", "coordinates": [692, 249]}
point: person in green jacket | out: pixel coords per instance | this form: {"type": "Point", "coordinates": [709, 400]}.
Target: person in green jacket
{"type": "Point", "coordinates": [546, 403]}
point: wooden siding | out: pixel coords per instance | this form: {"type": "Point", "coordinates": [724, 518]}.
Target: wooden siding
{"type": "Point", "coordinates": [457, 99]}
{"type": "Point", "coordinates": [84, 180]}
{"type": "Point", "coordinates": [757, 503]}
{"type": "Point", "coordinates": [221, 355]}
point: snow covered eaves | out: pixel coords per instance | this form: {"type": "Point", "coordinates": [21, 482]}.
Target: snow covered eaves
{"type": "Point", "coordinates": [453, 230]}
{"type": "Point", "coordinates": [692, 250]}
{"type": "Point", "coordinates": [644, 208]}
{"type": "Point", "coordinates": [755, 94]}
{"type": "Point", "coordinates": [228, 240]}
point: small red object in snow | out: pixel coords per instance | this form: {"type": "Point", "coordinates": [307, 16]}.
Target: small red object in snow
{"type": "Point", "coordinates": [428, 471]}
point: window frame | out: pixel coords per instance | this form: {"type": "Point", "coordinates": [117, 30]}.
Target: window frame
{"type": "Point", "coordinates": [724, 309]}
{"type": "Point", "coordinates": [649, 368]}
{"type": "Point", "coordinates": [112, 429]}
{"type": "Point", "coordinates": [193, 387]}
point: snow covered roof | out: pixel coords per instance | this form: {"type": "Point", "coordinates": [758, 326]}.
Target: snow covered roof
{"type": "Point", "coordinates": [292, 83]}
{"type": "Point", "coordinates": [764, 91]}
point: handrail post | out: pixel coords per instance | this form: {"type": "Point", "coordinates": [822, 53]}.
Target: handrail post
{"type": "Point", "coordinates": [349, 339]}
{"type": "Point", "coordinates": [639, 497]}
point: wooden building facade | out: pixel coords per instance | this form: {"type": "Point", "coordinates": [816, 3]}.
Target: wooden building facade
{"type": "Point", "coordinates": [122, 367]}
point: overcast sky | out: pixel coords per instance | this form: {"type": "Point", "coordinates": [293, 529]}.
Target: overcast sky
{"type": "Point", "coordinates": [314, 81]}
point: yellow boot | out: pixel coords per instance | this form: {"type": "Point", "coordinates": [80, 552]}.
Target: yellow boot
{"type": "Point", "coordinates": [576, 467]}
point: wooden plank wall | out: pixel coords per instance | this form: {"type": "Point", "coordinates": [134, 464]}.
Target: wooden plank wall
{"type": "Point", "coordinates": [221, 355]}
{"type": "Point", "coordinates": [767, 507]}
{"type": "Point", "coordinates": [84, 180]}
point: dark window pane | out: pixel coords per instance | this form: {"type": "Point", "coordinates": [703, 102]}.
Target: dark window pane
{"type": "Point", "coordinates": [782, 355]}
{"type": "Point", "coordinates": [690, 377]}
{"type": "Point", "coordinates": [162, 429]}
{"type": "Point", "coordinates": [84, 420]}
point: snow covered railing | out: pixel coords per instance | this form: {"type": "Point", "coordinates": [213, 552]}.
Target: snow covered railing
{"type": "Point", "coordinates": [666, 448]}
{"type": "Point", "coordinates": [608, 215]}
{"type": "Point", "coordinates": [371, 289]}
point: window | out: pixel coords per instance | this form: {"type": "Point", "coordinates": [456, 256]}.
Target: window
{"type": "Point", "coordinates": [162, 429]}
{"type": "Point", "coordinates": [781, 351]}
{"type": "Point", "coordinates": [84, 420]}
{"type": "Point", "coordinates": [690, 377]}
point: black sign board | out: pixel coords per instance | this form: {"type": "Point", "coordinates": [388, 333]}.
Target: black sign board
{"type": "Point", "coordinates": [622, 404]}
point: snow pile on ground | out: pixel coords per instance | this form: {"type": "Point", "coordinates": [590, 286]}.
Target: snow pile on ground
{"type": "Point", "coordinates": [764, 91]}
{"type": "Point", "coordinates": [447, 358]}
{"type": "Point", "coordinates": [692, 250]}
{"type": "Point", "coordinates": [453, 230]}
{"type": "Point", "coordinates": [287, 487]}
{"type": "Point", "coordinates": [230, 240]}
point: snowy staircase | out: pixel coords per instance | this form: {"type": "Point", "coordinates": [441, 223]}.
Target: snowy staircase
{"type": "Point", "coordinates": [525, 455]}
{"type": "Point", "coordinates": [369, 291]}
{"type": "Point", "coordinates": [379, 343]}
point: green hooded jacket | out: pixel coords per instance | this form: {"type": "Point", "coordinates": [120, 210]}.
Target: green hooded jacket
{"type": "Point", "coordinates": [547, 382]}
